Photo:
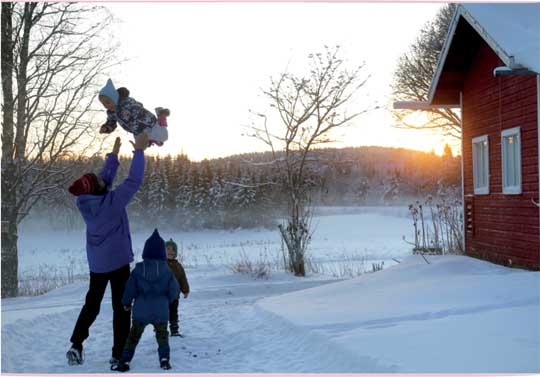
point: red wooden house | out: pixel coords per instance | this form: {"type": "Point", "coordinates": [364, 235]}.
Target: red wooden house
{"type": "Point", "coordinates": [489, 68]}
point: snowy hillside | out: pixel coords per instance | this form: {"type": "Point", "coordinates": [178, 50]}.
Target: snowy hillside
{"type": "Point", "coordinates": [455, 315]}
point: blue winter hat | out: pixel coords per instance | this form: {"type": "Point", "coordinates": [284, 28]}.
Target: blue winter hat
{"type": "Point", "coordinates": [109, 91]}
{"type": "Point", "coordinates": [154, 247]}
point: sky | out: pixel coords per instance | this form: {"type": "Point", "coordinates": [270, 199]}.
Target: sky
{"type": "Point", "coordinates": [209, 62]}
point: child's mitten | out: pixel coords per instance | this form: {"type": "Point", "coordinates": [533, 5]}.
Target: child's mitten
{"type": "Point", "coordinates": [106, 129]}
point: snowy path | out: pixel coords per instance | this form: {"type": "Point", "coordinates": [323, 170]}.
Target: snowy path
{"type": "Point", "coordinates": [225, 332]}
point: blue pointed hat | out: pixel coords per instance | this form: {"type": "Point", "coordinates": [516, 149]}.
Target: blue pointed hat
{"type": "Point", "coordinates": [154, 247]}
{"type": "Point", "coordinates": [109, 91]}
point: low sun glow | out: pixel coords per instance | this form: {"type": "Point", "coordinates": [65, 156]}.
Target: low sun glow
{"type": "Point", "coordinates": [429, 140]}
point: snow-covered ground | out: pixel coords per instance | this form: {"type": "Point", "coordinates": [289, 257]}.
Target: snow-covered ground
{"type": "Point", "coordinates": [456, 314]}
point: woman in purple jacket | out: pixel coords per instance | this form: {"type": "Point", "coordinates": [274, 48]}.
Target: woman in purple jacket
{"type": "Point", "coordinates": [108, 244]}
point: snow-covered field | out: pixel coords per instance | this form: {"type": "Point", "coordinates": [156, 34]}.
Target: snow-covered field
{"type": "Point", "coordinates": [355, 236]}
{"type": "Point", "coordinates": [456, 314]}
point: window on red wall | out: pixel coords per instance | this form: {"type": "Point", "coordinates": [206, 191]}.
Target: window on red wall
{"type": "Point", "coordinates": [480, 156]}
{"type": "Point", "coordinates": [511, 160]}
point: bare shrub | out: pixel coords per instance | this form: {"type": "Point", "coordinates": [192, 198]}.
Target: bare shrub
{"type": "Point", "coordinates": [350, 266]}
{"type": "Point", "coordinates": [259, 269]}
{"type": "Point", "coordinates": [377, 266]}
{"type": "Point", "coordinates": [47, 278]}
{"type": "Point", "coordinates": [438, 225]}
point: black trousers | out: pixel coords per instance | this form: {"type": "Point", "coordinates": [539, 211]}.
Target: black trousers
{"type": "Point", "coordinates": [90, 310]}
{"type": "Point", "coordinates": [173, 315]}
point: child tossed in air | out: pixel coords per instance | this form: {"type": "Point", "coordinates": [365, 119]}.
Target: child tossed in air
{"type": "Point", "coordinates": [131, 115]}
{"type": "Point", "coordinates": [153, 287]}
{"type": "Point", "coordinates": [180, 274]}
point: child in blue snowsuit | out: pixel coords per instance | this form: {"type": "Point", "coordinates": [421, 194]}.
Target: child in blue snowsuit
{"type": "Point", "coordinates": [153, 287]}
{"type": "Point", "coordinates": [131, 115]}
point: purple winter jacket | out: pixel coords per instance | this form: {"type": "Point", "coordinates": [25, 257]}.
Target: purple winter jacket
{"type": "Point", "coordinates": [108, 239]}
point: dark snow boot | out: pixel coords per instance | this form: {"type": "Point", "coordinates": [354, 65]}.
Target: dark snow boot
{"type": "Point", "coordinates": [120, 366]}
{"type": "Point", "coordinates": [164, 364]}
{"type": "Point", "coordinates": [175, 332]}
{"type": "Point", "coordinates": [163, 110]}
{"type": "Point", "coordinates": [75, 355]}
{"type": "Point", "coordinates": [113, 360]}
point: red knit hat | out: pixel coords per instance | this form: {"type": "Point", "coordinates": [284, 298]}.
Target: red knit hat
{"type": "Point", "coordinates": [87, 184]}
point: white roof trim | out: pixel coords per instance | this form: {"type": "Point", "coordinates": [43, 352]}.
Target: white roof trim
{"type": "Point", "coordinates": [418, 105]}
{"type": "Point", "coordinates": [444, 53]}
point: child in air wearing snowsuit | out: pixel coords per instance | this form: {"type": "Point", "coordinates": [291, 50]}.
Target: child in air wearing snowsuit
{"type": "Point", "coordinates": [153, 287]}
{"type": "Point", "coordinates": [131, 115]}
{"type": "Point", "coordinates": [180, 274]}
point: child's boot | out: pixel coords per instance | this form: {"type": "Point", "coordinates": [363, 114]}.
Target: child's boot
{"type": "Point", "coordinates": [162, 110]}
{"type": "Point", "coordinates": [162, 115]}
{"type": "Point", "coordinates": [174, 329]}
{"type": "Point", "coordinates": [164, 364]}
{"type": "Point", "coordinates": [121, 366]}
{"type": "Point", "coordinates": [113, 360]}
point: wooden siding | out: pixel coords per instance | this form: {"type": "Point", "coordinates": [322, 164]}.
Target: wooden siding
{"type": "Point", "coordinates": [506, 227]}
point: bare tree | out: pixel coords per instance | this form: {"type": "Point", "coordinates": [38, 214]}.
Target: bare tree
{"type": "Point", "coordinates": [54, 54]}
{"type": "Point", "coordinates": [306, 109]}
{"type": "Point", "coordinates": [415, 71]}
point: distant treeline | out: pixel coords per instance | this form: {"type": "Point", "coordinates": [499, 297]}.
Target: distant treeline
{"type": "Point", "coordinates": [246, 190]}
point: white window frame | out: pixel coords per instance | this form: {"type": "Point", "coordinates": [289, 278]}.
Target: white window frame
{"type": "Point", "coordinates": [481, 190]}
{"type": "Point", "coordinates": [515, 189]}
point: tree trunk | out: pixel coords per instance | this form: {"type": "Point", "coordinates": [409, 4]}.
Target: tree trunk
{"type": "Point", "coordinates": [294, 237]}
{"type": "Point", "coordinates": [299, 266]}
{"type": "Point", "coordinates": [10, 260]}
{"type": "Point", "coordinates": [22, 91]}
{"type": "Point", "coordinates": [298, 235]}
{"type": "Point", "coordinates": [9, 198]}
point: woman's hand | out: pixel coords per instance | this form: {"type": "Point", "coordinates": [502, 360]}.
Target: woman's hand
{"type": "Point", "coordinates": [141, 141]}
{"type": "Point", "coordinates": [116, 148]}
